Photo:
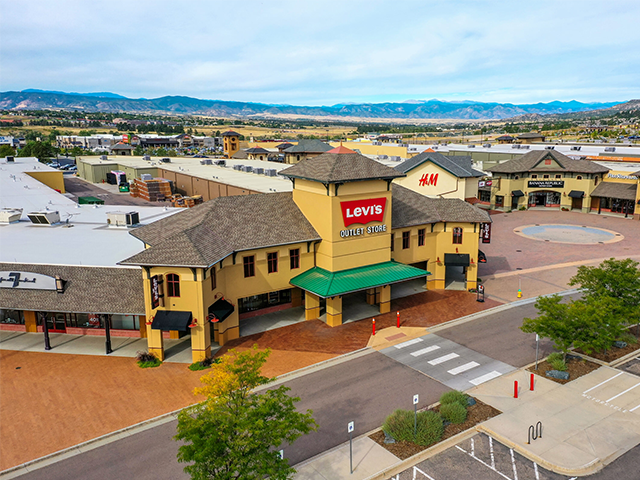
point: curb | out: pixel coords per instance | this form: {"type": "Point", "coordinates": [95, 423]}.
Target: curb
{"type": "Point", "coordinates": [590, 468]}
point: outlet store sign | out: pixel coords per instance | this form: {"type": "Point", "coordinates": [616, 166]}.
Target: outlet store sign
{"type": "Point", "coordinates": [362, 212]}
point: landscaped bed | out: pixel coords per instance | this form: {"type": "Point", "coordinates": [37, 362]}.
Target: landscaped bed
{"type": "Point", "coordinates": [576, 368]}
{"type": "Point", "coordinates": [476, 414]}
{"type": "Point", "coordinates": [615, 353]}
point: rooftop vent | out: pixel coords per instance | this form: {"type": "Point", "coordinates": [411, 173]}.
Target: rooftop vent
{"type": "Point", "coordinates": [610, 149]}
{"type": "Point", "coordinates": [10, 215]}
{"type": "Point", "coordinates": [44, 217]}
{"type": "Point", "coordinates": [123, 219]}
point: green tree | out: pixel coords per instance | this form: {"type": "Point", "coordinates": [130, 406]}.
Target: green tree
{"type": "Point", "coordinates": [602, 321]}
{"type": "Point", "coordinates": [6, 151]}
{"type": "Point", "coordinates": [235, 432]}
{"type": "Point", "coordinates": [40, 150]}
{"type": "Point", "coordinates": [138, 151]}
{"type": "Point", "coordinates": [555, 321]}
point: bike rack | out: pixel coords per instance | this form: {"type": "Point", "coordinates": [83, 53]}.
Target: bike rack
{"type": "Point", "coordinates": [534, 433]}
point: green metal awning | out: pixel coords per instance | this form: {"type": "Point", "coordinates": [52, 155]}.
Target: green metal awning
{"type": "Point", "coordinates": [325, 284]}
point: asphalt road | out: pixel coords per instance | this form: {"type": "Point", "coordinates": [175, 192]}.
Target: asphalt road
{"type": "Point", "coordinates": [364, 390]}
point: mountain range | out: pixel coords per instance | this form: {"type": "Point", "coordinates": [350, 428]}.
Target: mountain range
{"type": "Point", "coordinates": [180, 105]}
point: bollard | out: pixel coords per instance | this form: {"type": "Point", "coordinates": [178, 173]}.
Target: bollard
{"type": "Point", "coordinates": [515, 389]}
{"type": "Point", "coordinates": [519, 293]}
{"type": "Point", "coordinates": [398, 319]}
{"type": "Point", "coordinates": [531, 386]}
{"type": "Point", "coordinates": [373, 326]}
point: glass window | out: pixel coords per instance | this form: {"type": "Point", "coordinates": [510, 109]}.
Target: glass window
{"type": "Point", "coordinates": [595, 180]}
{"type": "Point", "coordinates": [500, 200]}
{"type": "Point", "coordinates": [579, 177]}
{"type": "Point", "coordinates": [421, 233]}
{"type": "Point", "coordinates": [393, 240]}
{"type": "Point", "coordinates": [249, 266]}
{"type": "Point", "coordinates": [457, 235]}
{"type": "Point", "coordinates": [406, 239]}
{"type": "Point", "coordinates": [294, 258]}
{"type": "Point", "coordinates": [534, 175]}
{"type": "Point", "coordinates": [558, 175]}
{"type": "Point", "coordinates": [516, 177]}
{"type": "Point", "coordinates": [173, 285]}
{"type": "Point", "coordinates": [545, 176]}
{"type": "Point", "coordinates": [125, 322]}
{"type": "Point", "coordinates": [15, 317]}
{"type": "Point", "coordinates": [484, 196]}
{"type": "Point", "coordinates": [257, 302]}
{"type": "Point", "coordinates": [272, 262]}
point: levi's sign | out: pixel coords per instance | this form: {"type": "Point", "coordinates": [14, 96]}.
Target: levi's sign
{"type": "Point", "coordinates": [363, 211]}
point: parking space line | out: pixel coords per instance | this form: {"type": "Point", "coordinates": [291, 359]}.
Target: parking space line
{"type": "Point", "coordinates": [463, 368]}
{"type": "Point", "coordinates": [513, 463]}
{"type": "Point", "coordinates": [485, 378]}
{"type": "Point", "coordinates": [602, 383]}
{"type": "Point", "coordinates": [634, 408]}
{"type": "Point", "coordinates": [444, 358]}
{"type": "Point", "coordinates": [620, 394]}
{"type": "Point", "coordinates": [483, 463]}
{"type": "Point", "coordinates": [408, 342]}
{"type": "Point", "coordinates": [422, 351]}
{"type": "Point", "coordinates": [416, 470]}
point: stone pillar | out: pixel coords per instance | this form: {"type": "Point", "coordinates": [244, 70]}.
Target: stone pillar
{"type": "Point", "coordinates": [30, 321]}
{"type": "Point", "coordinates": [334, 311]}
{"type": "Point", "coordinates": [201, 341]}
{"type": "Point", "coordinates": [296, 297]}
{"type": "Point", "coordinates": [155, 342]}
{"type": "Point", "coordinates": [311, 306]}
{"type": "Point", "coordinates": [229, 329]}
{"type": "Point", "coordinates": [385, 299]}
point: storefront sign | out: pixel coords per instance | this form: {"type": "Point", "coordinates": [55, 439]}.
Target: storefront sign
{"type": "Point", "coordinates": [545, 183]}
{"type": "Point", "coordinates": [428, 179]}
{"type": "Point", "coordinates": [622, 177]}
{"type": "Point", "coordinates": [363, 211]}
{"type": "Point", "coordinates": [155, 292]}
{"type": "Point", "coordinates": [28, 280]}
{"type": "Point", "coordinates": [481, 183]}
{"type": "Point", "coordinates": [485, 232]}
{"type": "Point", "coordinates": [354, 232]}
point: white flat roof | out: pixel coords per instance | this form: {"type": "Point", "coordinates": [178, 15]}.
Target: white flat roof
{"type": "Point", "coordinates": [192, 166]}
{"type": "Point", "coordinates": [82, 237]}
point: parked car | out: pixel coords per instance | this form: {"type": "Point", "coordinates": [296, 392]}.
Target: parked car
{"type": "Point", "coordinates": [54, 165]}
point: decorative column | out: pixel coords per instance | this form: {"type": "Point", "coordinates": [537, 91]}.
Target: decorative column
{"type": "Point", "coordinates": [334, 311]}
{"type": "Point", "coordinates": [311, 306]}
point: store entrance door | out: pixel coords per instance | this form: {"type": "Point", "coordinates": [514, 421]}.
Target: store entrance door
{"type": "Point", "coordinates": [576, 204]}
{"type": "Point", "coordinates": [56, 323]}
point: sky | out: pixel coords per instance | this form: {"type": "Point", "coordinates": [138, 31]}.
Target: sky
{"type": "Point", "coordinates": [312, 52]}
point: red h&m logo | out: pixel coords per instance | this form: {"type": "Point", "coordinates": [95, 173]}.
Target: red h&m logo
{"type": "Point", "coordinates": [363, 211]}
{"type": "Point", "coordinates": [428, 179]}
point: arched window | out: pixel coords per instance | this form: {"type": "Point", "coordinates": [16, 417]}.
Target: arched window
{"type": "Point", "coordinates": [173, 285]}
{"type": "Point", "coordinates": [457, 235]}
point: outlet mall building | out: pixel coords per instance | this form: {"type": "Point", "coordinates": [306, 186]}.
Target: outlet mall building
{"type": "Point", "coordinates": [345, 234]}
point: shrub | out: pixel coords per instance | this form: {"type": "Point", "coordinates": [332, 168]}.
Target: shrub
{"type": "Point", "coordinates": [554, 357]}
{"type": "Point", "coordinates": [400, 425]}
{"type": "Point", "coordinates": [454, 412]}
{"type": "Point", "coordinates": [627, 337]}
{"type": "Point", "coordinates": [147, 360]}
{"type": "Point", "coordinates": [558, 364]}
{"type": "Point", "coordinates": [203, 364]}
{"type": "Point", "coordinates": [455, 396]}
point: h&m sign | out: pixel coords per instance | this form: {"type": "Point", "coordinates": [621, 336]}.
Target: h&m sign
{"type": "Point", "coordinates": [363, 211]}
{"type": "Point", "coordinates": [428, 179]}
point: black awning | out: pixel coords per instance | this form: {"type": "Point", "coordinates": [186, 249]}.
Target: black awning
{"type": "Point", "coordinates": [482, 258]}
{"type": "Point", "coordinates": [220, 310]}
{"type": "Point", "coordinates": [576, 194]}
{"type": "Point", "coordinates": [517, 193]}
{"type": "Point", "coordinates": [167, 320]}
{"type": "Point", "coordinates": [456, 259]}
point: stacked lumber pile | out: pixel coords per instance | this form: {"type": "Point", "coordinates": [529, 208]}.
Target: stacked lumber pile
{"type": "Point", "coordinates": [154, 190]}
{"type": "Point", "coordinates": [186, 202]}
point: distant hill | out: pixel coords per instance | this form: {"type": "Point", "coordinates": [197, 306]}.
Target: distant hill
{"type": "Point", "coordinates": [94, 94]}
{"type": "Point", "coordinates": [410, 110]}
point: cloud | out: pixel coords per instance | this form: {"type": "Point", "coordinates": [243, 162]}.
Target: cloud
{"type": "Point", "coordinates": [325, 52]}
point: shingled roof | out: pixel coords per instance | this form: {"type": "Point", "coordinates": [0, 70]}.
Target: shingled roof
{"type": "Point", "coordinates": [204, 235]}
{"type": "Point", "coordinates": [624, 191]}
{"type": "Point", "coordinates": [309, 146]}
{"type": "Point", "coordinates": [334, 167]}
{"type": "Point", "coordinates": [457, 166]}
{"type": "Point", "coordinates": [531, 162]}
{"type": "Point", "coordinates": [410, 208]}
{"type": "Point", "coordinates": [88, 290]}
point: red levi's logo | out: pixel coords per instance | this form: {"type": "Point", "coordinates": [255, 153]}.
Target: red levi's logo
{"type": "Point", "coordinates": [363, 211]}
{"type": "Point", "coordinates": [428, 179]}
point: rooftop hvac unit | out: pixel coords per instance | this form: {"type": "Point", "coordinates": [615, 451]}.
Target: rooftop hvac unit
{"type": "Point", "coordinates": [526, 147]}
{"type": "Point", "coordinates": [10, 159]}
{"type": "Point", "coordinates": [377, 144]}
{"type": "Point", "coordinates": [220, 163]}
{"type": "Point", "coordinates": [471, 146]}
{"type": "Point", "coordinates": [146, 157]}
{"type": "Point", "coordinates": [486, 145]}
{"type": "Point", "coordinates": [610, 149]}
{"type": "Point", "coordinates": [238, 167]}
{"type": "Point", "coordinates": [259, 170]}
{"type": "Point", "coordinates": [146, 176]}
{"type": "Point", "coordinates": [247, 168]}
{"type": "Point", "coordinates": [103, 157]}
{"type": "Point", "coordinates": [576, 147]}
{"type": "Point", "coordinates": [206, 161]}
{"type": "Point", "coordinates": [10, 215]}
{"type": "Point", "coordinates": [550, 147]}
{"type": "Point", "coordinates": [515, 145]}
{"type": "Point", "coordinates": [435, 147]}
{"type": "Point", "coordinates": [395, 158]}
{"type": "Point", "coordinates": [270, 172]}
{"type": "Point", "coordinates": [44, 217]}
{"type": "Point", "coordinates": [383, 157]}
{"type": "Point", "coordinates": [123, 219]}
{"type": "Point", "coordinates": [403, 144]}
{"type": "Point", "coordinates": [165, 160]}
{"type": "Point", "coordinates": [357, 150]}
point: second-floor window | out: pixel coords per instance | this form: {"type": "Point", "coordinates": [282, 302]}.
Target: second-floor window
{"type": "Point", "coordinates": [421, 233]}
{"type": "Point", "coordinates": [173, 285]}
{"type": "Point", "coordinates": [457, 235]}
{"type": "Point", "coordinates": [294, 258]}
{"type": "Point", "coordinates": [272, 262]}
{"type": "Point", "coordinates": [249, 266]}
{"type": "Point", "coordinates": [406, 239]}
